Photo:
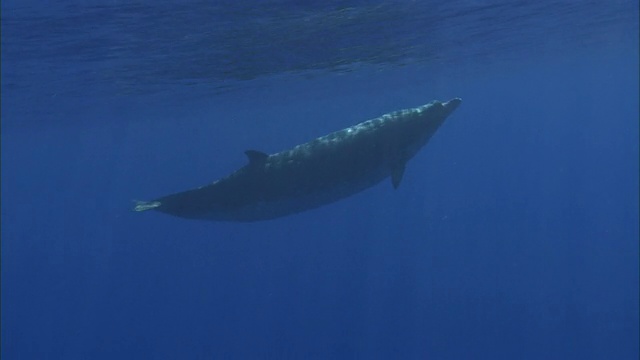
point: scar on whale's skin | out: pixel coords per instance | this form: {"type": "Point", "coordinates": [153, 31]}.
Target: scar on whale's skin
{"type": "Point", "coordinates": [316, 173]}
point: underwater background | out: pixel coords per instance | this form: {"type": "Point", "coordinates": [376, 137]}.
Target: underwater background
{"type": "Point", "coordinates": [514, 234]}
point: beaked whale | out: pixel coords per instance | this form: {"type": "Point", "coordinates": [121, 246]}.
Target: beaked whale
{"type": "Point", "coordinates": [322, 171]}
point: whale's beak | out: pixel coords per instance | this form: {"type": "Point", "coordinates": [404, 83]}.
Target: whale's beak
{"type": "Point", "coordinates": [452, 105]}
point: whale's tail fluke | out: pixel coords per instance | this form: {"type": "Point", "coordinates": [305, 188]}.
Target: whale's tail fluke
{"type": "Point", "coordinates": [146, 205]}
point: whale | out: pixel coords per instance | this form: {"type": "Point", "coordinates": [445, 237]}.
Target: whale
{"type": "Point", "coordinates": [319, 172]}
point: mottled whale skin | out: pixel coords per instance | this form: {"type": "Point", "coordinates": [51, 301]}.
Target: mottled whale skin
{"type": "Point", "coordinates": [313, 174]}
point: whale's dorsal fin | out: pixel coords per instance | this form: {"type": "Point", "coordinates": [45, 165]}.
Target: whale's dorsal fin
{"type": "Point", "coordinates": [256, 157]}
{"type": "Point", "coordinates": [396, 175]}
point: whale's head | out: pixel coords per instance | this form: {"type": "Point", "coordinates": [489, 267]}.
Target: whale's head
{"type": "Point", "coordinates": [411, 129]}
{"type": "Point", "coordinates": [433, 114]}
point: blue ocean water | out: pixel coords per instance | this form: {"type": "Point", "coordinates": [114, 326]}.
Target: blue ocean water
{"type": "Point", "coordinates": [514, 234]}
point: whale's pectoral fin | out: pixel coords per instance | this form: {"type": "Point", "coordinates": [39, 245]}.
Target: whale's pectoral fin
{"type": "Point", "coordinates": [256, 157]}
{"type": "Point", "coordinates": [396, 175]}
